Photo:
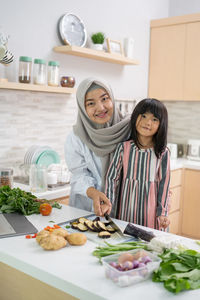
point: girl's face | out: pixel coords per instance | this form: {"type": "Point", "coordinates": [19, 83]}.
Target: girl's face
{"type": "Point", "coordinates": [147, 125]}
{"type": "Point", "coordinates": [99, 106]}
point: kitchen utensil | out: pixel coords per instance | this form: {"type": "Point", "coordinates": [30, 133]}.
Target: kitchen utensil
{"type": "Point", "coordinates": [72, 30]}
{"type": "Point", "coordinates": [113, 225]}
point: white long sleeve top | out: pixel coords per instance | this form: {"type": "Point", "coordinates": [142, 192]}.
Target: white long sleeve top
{"type": "Point", "coordinates": [85, 168]}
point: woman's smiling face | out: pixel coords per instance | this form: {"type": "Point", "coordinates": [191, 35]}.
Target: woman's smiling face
{"type": "Point", "coordinates": [99, 106]}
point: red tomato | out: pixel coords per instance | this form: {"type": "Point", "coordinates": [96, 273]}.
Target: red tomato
{"type": "Point", "coordinates": [45, 209]}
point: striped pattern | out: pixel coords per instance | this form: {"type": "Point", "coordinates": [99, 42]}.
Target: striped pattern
{"type": "Point", "coordinates": [137, 184]}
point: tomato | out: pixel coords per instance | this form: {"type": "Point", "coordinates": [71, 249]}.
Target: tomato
{"type": "Point", "coordinates": [45, 209]}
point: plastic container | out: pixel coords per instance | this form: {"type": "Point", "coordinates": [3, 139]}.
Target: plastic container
{"type": "Point", "coordinates": [25, 66]}
{"type": "Point", "coordinates": [53, 73]}
{"type": "Point", "coordinates": [126, 278]}
{"type": "Point", "coordinates": [39, 71]}
{"type": "Point", "coordinates": [38, 178]}
{"type": "Point", "coordinates": [6, 177]}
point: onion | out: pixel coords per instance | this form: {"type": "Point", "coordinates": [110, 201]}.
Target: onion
{"type": "Point", "coordinates": [125, 257]}
{"type": "Point", "coordinates": [146, 259]}
{"type": "Point", "coordinates": [127, 265]}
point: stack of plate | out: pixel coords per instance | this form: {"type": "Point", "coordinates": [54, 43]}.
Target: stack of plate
{"type": "Point", "coordinates": [41, 155]}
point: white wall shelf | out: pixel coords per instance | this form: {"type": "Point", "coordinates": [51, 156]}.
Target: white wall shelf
{"type": "Point", "coordinates": [96, 55]}
{"type": "Point", "coordinates": [36, 88]}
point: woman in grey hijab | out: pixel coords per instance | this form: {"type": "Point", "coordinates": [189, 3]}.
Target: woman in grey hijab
{"type": "Point", "coordinates": [90, 145]}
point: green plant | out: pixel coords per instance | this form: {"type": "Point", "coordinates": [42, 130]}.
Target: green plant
{"type": "Point", "coordinates": [98, 38]}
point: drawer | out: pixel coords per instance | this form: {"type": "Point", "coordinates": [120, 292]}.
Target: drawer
{"type": "Point", "coordinates": [175, 199]}
{"type": "Point", "coordinates": [176, 178]}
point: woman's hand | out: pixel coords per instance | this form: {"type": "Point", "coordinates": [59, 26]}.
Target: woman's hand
{"type": "Point", "coordinates": [164, 221]}
{"type": "Point", "coordinates": [101, 203]}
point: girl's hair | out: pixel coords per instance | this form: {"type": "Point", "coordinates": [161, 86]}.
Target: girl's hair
{"type": "Point", "coordinates": [159, 110]}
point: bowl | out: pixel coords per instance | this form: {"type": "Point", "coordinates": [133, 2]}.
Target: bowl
{"type": "Point", "coordinates": [134, 275]}
{"type": "Point", "coordinates": [67, 81]}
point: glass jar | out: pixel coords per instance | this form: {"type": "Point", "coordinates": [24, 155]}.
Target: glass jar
{"type": "Point", "coordinates": [53, 73]}
{"type": "Point", "coordinates": [38, 178]}
{"type": "Point", "coordinates": [39, 71]}
{"type": "Point", "coordinates": [25, 65]}
{"type": "Point", "coordinates": [6, 177]}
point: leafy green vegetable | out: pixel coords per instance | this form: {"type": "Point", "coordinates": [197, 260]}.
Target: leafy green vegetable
{"type": "Point", "coordinates": [17, 200]}
{"type": "Point", "coordinates": [198, 242]}
{"type": "Point", "coordinates": [67, 226]}
{"type": "Point", "coordinates": [179, 270]}
{"type": "Point", "coordinates": [110, 249]}
{"type": "Point", "coordinates": [57, 205]}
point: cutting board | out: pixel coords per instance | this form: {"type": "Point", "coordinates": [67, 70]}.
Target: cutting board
{"type": "Point", "coordinates": [93, 236]}
{"type": "Point", "coordinates": [13, 224]}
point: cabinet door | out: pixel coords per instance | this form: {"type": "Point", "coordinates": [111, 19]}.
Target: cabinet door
{"type": "Point", "coordinates": [174, 222]}
{"type": "Point", "coordinates": [191, 204]}
{"type": "Point", "coordinates": [166, 68]}
{"type": "Point", "coordinates": [192, 62]}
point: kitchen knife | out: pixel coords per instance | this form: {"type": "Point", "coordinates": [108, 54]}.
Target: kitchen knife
{"type": "Point", "coordinates": [113, 225]}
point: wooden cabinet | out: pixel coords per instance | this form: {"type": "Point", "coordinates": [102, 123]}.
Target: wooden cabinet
{"type": "Point", "coordinates": [175, 201]}
{"type": "Point", "coordinates": [191, 204]}
{"type": "Point", "coordinates": [174, 68]}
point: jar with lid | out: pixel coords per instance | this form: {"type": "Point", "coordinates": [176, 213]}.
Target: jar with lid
{"type": "Point", "coordinates": [39, 71]}
{"type": "Point", "coordinates": [53, 73]}
{"type": "Point", "coordinates": [25, 66]}
{"type": "Point", "coordinates": [6, 177]}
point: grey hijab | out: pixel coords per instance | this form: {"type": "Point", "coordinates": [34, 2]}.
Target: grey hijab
{"type": "Point", "coordinates": [102, 141]}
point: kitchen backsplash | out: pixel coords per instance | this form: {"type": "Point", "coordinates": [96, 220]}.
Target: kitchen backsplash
{"type": "Point", "coordinates": [184, 121]}
{"type": "Point", "coordinates": [28, 118]}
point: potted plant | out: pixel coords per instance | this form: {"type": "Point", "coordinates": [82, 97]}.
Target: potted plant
{"type": "Point", "coordinates": [97, 40]}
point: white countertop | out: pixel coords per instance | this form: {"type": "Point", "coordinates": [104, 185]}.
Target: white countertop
{"type": "Point", "coordinates": [60, 192]}
{"type": "Point", "coordinates": [180, 163]}
{"type": "Point", "coordinates": [74, 270]}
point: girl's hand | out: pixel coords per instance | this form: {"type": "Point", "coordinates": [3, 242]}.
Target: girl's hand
{"type": "Point", "coordinates": [101, 203]}
{"type": "Point", "coordinates": [164, 221]}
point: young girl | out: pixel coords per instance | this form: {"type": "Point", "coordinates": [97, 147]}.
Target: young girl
{"type": "Point", "coordinates": [137, 182]}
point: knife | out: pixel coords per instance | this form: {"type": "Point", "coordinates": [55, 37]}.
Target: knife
{"type": "Point", "coordinates": [113, 225]}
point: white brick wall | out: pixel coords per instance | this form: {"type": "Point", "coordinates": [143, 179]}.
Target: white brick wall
{"type": "Point", "coordinates": [28, 118]}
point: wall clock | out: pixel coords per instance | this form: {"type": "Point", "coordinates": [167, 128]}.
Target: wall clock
{"type": "Point", "coordinates": [72, 30]}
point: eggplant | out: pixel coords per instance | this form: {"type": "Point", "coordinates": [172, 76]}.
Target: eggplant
{"type": "Point", "coordinates": [82, 220]}
{"type": "Point", "coordinates": [110, 229]}
{"type": "Point", "coordinates": [74, 225]}
{"type": "Point", "coordinates": [101, 225]}
{"type": "Point", "coordinates": [138, 232]}
{"type": "Point", "coordinates": [104, 235]}
{"type": "Point", "coordinates": [89, 225]}
{"type": "Point", "coordinates": [96, 227]}
{"type": "Point", "coordinates": [96, 219]}
{"type": "Point", "coordinates": [82, 227]}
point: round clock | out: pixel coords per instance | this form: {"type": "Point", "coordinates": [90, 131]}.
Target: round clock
{"type": "Point", "coordinates": [72, 30]}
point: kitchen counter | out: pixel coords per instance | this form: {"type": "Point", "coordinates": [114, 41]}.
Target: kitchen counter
{"type": "Point", "coordinates": [180, 163]}
{"type": "Point", "coordinates": [72, 270]}
{"type": "Point", "coordinates": [59, 192]}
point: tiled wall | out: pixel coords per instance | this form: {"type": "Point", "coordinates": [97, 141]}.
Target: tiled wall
{"type": "Point", "coordinates": [28, 118]}
{"type": "Point", "coordinates": [184, 121]}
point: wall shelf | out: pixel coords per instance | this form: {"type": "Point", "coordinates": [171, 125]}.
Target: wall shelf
{"type": "Point", "coordinates": [36, 88]}
{"type": "Point", "coordinates": [95, 54]}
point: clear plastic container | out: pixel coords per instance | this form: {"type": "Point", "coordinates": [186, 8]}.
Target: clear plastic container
{"type": "Point", "coordinates": [25, 66]}
{"type": "Point", "coordinates": [6, 177]}
{"type": "Point", "coordinates": [39, 71]}
{"type": "Point", "coordinates": [126, 278]}
{"type": "Point", "coordinates": [38, 178]}
{"type": "Point", "coordinates": [53, 73]}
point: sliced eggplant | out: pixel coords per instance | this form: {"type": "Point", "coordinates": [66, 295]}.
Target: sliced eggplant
{"type": "Point", "coordinates": [101, 225]}
{"type": "Point", "coordinates": [110, 229]}
{"type": "Point", "coordinates": [82, 227]}
{"type": "Point", "coordinates": [96, 227]}
{"type": "Point", "coordinates": [96, 219]}
{"type": "Point", "coordinates": [82, 220]}
{"type": "Point", "coordinates": [89, 225]}
{"type": "Point", "coordinates": [104, 234]}
{"type": "Point", "coordinates": [74, 225]}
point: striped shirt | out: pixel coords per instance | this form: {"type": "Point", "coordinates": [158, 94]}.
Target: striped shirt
{"type": "Point", "coordinates": [137, 184]}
